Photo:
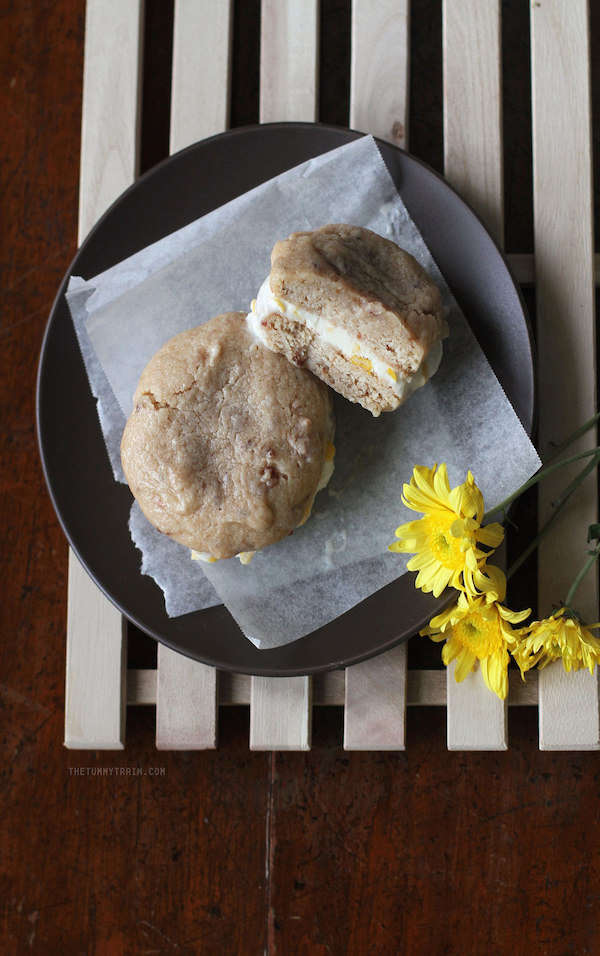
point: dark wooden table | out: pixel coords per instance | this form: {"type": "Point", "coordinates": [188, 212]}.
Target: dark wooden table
{"type": "Point", "coordinates": [425, 852]}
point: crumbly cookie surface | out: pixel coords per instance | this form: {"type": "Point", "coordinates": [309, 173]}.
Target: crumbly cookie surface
{"type": "Point", "coordinates": [368, 288]}
{"type": "Point", "coordinates": [227, 440]}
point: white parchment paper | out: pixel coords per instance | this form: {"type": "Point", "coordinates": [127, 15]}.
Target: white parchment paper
{"type": "Point", "coordinates": [216, 264]}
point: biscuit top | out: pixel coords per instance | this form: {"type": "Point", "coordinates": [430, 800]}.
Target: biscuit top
{"type": "Point", "coordinates": [227, 441]}
{"type": "Point", "coordinates": [349, 274]}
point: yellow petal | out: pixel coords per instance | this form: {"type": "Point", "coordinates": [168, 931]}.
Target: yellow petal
{"type": "Point", "coordinates": [492, 535]}
{"type": "Point", "coordinates": [495, 674]}
{"type": "Point", "coordinates": [487, 580]}
{"type": "Point", "coordinates": [441, 483]}
{"type": "Point", "coordinates": [465, 663]}
{"type": "Point", "coordinates": [515, 617]}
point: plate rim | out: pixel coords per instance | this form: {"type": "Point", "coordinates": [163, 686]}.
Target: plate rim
{"type": "Point", "coordinates": [434, 605]}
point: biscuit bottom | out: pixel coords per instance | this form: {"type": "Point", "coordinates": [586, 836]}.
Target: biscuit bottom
{"type": "Point", "coordinates": [351, 375]}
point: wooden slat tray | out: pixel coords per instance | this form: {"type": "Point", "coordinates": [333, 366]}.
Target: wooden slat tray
{"type": "Point", "coordinates": [374, 694]}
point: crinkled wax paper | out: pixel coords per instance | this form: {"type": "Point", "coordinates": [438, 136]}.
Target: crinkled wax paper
{"type": "Point", "coordinates": [216, 264]}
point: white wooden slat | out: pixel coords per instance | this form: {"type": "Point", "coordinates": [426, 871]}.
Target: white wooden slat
{"type": "Point", "coordinates": [141, 686]}
{"type": "Point", "coordinates": [288, 60]}
{"type": "Point", "coordinates": [94, 715]}
{"type": "Point", "coordinates": [375, 695]}
{"type": "Point", "coordinates": [523, 267]}
{"type": "Point", "coordinates": [110, 110]}
{"type": "Point", "coordinates": [424, 688]}
{"type": "Point", "coordinates": [379, 69]}
{"type": "Point", "coordinates": [186, 691]}
{"type": "Point", "coordinates": [186, 703]}
{"type": "Point", "coordinates": [476, 718]}
{"type": "Point", "coordinates": [473, 164]}
{"type": "Point", "coordinates": [568, 709]}
{"type": "Point", "coordinates": [281, 708]}
{"type": "Point", "coordinates": [96, 667]}
{"type": "Point", "coordinates": [375, 703]}
{"type": "Point", "coordinates": [201, 70]}
{"type": "Point", "coordinates": [473, 106]}
{"type": "Point", "coordinates": [563, 235]}
{"type": "Point", "coordinates": [280, 713]}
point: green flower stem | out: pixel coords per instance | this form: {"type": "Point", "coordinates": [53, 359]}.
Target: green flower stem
{"type": "Point", "coordinates": [577, 480]}
{"type": "Point", "coordinates": [538, 477]}
{"type": "Point", "coordinates": [588, 564]}
{"type": "Point", "coordinates": [558, 506]}
{"type": "Point", "coordinates": [536, 541]}
{"type": "Point", "coordinates": [574, 436]}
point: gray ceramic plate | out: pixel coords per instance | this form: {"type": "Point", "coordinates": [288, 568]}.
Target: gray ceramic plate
{"type": "Point", "coordinates": [94, 509]}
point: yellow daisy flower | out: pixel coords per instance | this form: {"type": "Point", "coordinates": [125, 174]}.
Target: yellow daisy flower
{"type": "Point", "coordinates": [560, 636]}
{"type": "Point", "coordinates": [446, 540]}
{"type": "Point", "coordinates": [475, 630]}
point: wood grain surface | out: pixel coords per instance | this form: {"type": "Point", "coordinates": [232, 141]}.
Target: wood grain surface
{"type": "Point", "coordinates": [232, 851]}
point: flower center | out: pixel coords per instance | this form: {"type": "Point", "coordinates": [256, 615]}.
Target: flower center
{"type": "Point", "coordinates": [444, 546]}
{"type": "Point", "coordinates": [479, 634]}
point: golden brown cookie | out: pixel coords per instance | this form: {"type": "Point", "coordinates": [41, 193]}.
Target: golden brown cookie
{"type": "Point", "coordinates": [356, 310]}
{"type": "Point", "coordinates": [227, 442]}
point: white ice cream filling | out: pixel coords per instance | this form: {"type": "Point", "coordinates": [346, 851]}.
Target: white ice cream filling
{"type": "Point", "coordinates": [346, 344]}
{"type": "Point", "coordinates": [245, 557]}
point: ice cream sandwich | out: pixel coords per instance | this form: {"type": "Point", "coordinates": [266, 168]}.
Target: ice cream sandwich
{"type": "Point", "coordinates": [228, 442]}
{"type": "Point", "coordinates": [356, 310]}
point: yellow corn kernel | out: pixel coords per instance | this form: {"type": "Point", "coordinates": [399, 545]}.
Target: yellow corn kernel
{"type": "Point", "coordinates": [362, 362]}
{"type": "Point", "coordinates": [203, 556]}
{"type": "Point", "coordinates": [392, 374]}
